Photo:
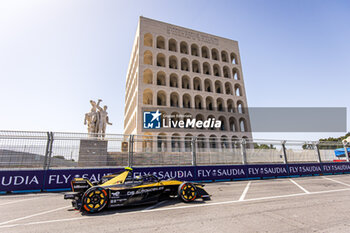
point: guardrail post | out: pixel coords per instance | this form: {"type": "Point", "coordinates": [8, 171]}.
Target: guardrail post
{"type": "Point", "coordinates": [131, 150]}
{"type": "Point", "coordinates": [47, 150]}
{"type": "Point", "coordinates": [243, 151]}
{"type": "Point", "coordinates": [317, 148]}
{"type": "Point", "coordinates": [285, 160]}
{"type": "Point", "coordinates": [50, 151]}
{"type": "Point", "coordinates": [193, 144]}
{"type": "Point", "coordinates": [346, 151]}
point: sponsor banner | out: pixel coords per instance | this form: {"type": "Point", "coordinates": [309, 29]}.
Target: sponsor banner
{"type": "Point", "coordinates": [21, 180]}
{"type": "Point", "coordinates": [165, 173]}
{"type": "Point", "coordinates": [60, 179]}
{"type": "Point", "coordinates": [267, 170]}
{"type": "Point", "coordinates": [336, 167]}
{"type": "Point", "coordinates": [16, 180]}
{"type": "Point", "coordinates": [221, 172]}
{"type": "Point", "coordinates": [305, 169]}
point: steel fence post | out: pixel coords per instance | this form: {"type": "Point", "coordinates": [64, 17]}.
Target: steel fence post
{"type": "Point", "coordinates": [243, 151]}
{"type": "Point", "coordinates": [317, 148]}
{"type": "Point", "coordinates": [193, 143]}
{"type": "Point", "coordinates": [346, 151]}
{"type": "Point", "coordinates": [46, 150]}
{"type": "Point", "coordinates": [50, 151]}
{"type": "Point", "coordinates": [131, 150]}
{"type": "Point", "coordinates": [285, 160]}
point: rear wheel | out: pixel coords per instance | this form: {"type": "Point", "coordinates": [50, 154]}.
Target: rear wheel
{"type": "Point", "coordinates": [187, 192]}
{"type": "Point", "coordinates": [95, 199]}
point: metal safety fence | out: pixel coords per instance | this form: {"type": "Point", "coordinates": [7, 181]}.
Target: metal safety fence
{"type": "Point", "coordinates": [23, 149]}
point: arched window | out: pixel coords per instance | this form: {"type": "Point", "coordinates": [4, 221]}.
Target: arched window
{"type": "Point", "coordinates": [188, 117]}
{"type": "Point", "coordinates": [147, 58]}
{"type": "Point", "coordinates": [210, 118]}
{"type": "Point", "coordinates": [174, 100]}
{"type": "Point", "coordinates": [148, 40]}
{"type": "Point", "coordinates": [218, 87]}
{"type": "Point", "coordinates": [175, 118]}
{"type": "Point", "coordinates": [183, 47]}
{"type": "Point", "coordinates": [147, 76]}
{"type": "Point", "coordinates": [230, 106]}
{"type": "Point", "coordinates": [212, 142]}
{"type": "Point", "coordinates": [236, 74]}
{"type": "Point", "coordinates": [216, 70]}
{"type": "Point", "coordinates": [223, 123]}
{"type": "Point", "coordinates": [208, 86]}
{"type": "Point", "coordinates": [198, 102]}
{"type": "Point", "coordinates": [162, 142]}
{"type": "Point", "coordinates": [201, 142]}
{"type": "Point", "coordinates": [185, 80]}
{"type": "Point", "coordinates": [243, 125]}
{"type": "Point", "coordinates": [236, 144]}
{"type": "Point", "coordinates": [194, 50]}
{"type": "Point", "coordinates": [240, 107]}
{"type": "Point", "coordinates": [195, 67]}
{"type": "Point", "coordinates": [238, 90]}
{"type": "Point", "coordinates": [226, 72]}
{"type": "Point", "coordinates": [220, 104]}
{"type": "Point", "coordinates": [161, 60]}
{"type": "Point", "coordinates": [206, 68]}
{"type": "Point", "coordinates": [185, 64]}
{"type": "Point", "coordinates": [205, 52]}
{"type": "Point", "coordinates": [161, 78]}
{"type": "Point", "coordinates": [234, 59]}
{"type": "Point", "coordinates": [233, 124]}
{"type": "Point", "coordinates": [224, 56]}
{"type": "Point", "coordinates": [172, 62]}
{"type": "Point", "coordinates": [174, 80]}
{"type": "Point", "coordinates": [161, 98]}
{"type": "Point", "coordinates": [175, 142]}
{"type": "Point", "coordinates": [147, 97]}
{"type": "Point", "coordinates": [224, 143]}
{"type": "Point", "coordinates": [209, 102]}
{"type": "Point", "coordinates": [186, 101]}
{"type": "Point", "coordinates": [215, 54]}
{"type": "Point", "coordinates": [188, 142]}
{"type": "Point", "coordinates": [228, 88]}
{"type": "Point", "coordinates": [199, 117]}
{"type": "Point", "coordinates": [197, 84]}
{"type": "Point", "coordinates": [160, 42]}
{"type": "Point", "coordinates": [172, 45]}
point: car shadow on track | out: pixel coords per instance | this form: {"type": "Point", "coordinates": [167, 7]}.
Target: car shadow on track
{"type": "Point", "coordinates": [142, 208]}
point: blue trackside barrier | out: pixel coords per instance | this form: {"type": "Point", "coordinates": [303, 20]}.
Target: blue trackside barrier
{"type": "Point", "coordinates": [59, 179]}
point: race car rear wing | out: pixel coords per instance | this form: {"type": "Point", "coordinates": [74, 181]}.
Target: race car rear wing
{"type": "Point", "coordinates": [80, 185]}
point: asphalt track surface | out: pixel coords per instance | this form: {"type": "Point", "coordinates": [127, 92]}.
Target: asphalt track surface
{"type": "Point", "coordinates": [304, 204]}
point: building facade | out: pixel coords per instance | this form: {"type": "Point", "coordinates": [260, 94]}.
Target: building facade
{"type": "Point", "coordinates": [185, 74]}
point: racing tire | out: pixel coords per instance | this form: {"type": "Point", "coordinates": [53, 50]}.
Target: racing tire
{"type": "Point", "coordinates": [187, 192]}
{"type": "Point", "coordinates": [94, 199]}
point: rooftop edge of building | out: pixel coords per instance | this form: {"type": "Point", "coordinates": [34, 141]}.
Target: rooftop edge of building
{"type": "Point", "coordinates": [208, 34]}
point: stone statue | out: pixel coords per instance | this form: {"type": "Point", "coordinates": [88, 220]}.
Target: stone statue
{"type": "Point", "coordinates": [97, 121]}
{"type": "Point", "coordinates": [92, 119]}
{"type": "Point", "coordinates": [103, 120]}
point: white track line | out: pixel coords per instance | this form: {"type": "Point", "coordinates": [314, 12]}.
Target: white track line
{"type": "Point", "coordinates": [301, 187]}
{"type": "Point", "coordinates": [339, 182]}
{"type": "Point", "coordinates": [174, 208]}
{"type": "Point", "coordinates": [12, 202]}
{"type": "Point", "coordinates": [245, 191]}
{"type": "Point", "coordinates": [33, 215]}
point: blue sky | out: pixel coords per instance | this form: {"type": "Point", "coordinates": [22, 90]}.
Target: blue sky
{"type": "Point", "coordinates": [57, 55]}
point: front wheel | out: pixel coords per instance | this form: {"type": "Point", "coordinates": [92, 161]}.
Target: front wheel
{"type": "Point", "coordinates": [187, 192]}
{"type": "Point", "coordinates": [95, 199]}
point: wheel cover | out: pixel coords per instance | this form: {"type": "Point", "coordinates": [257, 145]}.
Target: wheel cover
{"type": "Point", "coordinates": [95, 199]}
{"type": "Point", "coordinates": [188, 192]}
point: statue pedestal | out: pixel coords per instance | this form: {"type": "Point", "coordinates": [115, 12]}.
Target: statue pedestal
{"type": "Point", "coordinates": [92, 153]}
